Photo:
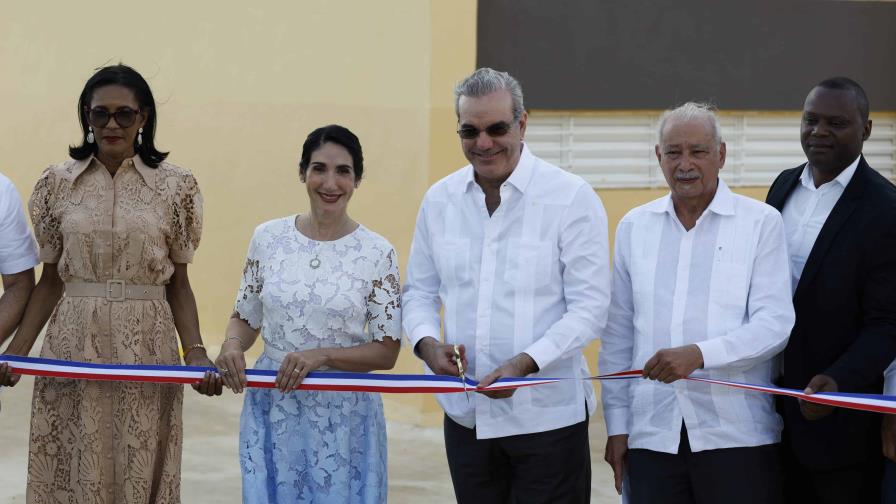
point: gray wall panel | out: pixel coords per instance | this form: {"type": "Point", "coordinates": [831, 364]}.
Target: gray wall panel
{"type": "Point", "coordinates": [635, 54]}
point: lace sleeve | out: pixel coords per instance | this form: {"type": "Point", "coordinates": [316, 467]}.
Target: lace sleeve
{"type": "Point", "coordinates": [187, 225]}
{"type": "Point", "coordinates": [248, 299]}
{"type": "Point", "coordinates": [384, 301]}
{"type": "Point", "coordinates": [45, 219]}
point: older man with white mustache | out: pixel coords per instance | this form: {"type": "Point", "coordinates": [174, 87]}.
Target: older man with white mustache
{"type": "Point", "coordinates": [700, 282]}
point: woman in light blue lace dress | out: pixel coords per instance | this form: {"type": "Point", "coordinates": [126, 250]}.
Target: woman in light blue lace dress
{"type": "Point", "coordinates": [324, 293]}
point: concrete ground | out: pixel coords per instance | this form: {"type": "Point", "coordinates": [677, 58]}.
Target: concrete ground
{"type": "Point", "coordinates": [418, 471]}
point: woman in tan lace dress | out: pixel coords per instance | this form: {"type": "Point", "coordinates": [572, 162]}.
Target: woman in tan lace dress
{"type": "Point", "coordinates": [117, 226]}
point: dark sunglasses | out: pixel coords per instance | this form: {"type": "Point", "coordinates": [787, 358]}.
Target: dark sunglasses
{"type": "Point", "coordinates": [496, 130]}
{"type": "Point", "coordinates": [125, 117]}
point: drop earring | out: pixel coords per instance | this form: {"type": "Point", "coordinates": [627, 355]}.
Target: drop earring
{"type": "Point", "coordinates": [90, 135]}
{"type": "Point", "coordinates": [140, 136]}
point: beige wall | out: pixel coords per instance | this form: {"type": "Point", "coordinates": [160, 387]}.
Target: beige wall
{"type": "Point", "coordinates": [238, 89]}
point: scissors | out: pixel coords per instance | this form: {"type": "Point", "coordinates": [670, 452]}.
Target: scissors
{"type": "Point", "coordinates": [460, 368]}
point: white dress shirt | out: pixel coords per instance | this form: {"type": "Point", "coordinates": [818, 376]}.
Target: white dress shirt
{"type": "Point", "coordinates": [533, 277]}
{"type": "Point", "coordinates": [18, 250]}
{"type": "Point", "coordinates": [724, 286]}
{"type": "Point", "coordinates": [805, 212]}
{"type": "Point", "coordinates": [890, 380]}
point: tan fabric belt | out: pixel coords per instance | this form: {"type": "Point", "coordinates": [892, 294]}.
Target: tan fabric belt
{"type": "Point", "coordinates": [114, 290]}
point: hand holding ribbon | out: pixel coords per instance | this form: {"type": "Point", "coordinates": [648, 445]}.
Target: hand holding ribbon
{"type": "Point", "coordinates": [818, 383]}
{"type": "Point", "coordinates": [440, 357]}
{"type": "Point", "coordinates": [211, 384]}
{"type": "Point", "coordinates": [231, 364]}
{"type": "Point", "coordinates": [673, 364]}
{"type": "Point", "coordinates": [521, 365]}
{"type": "Point", "coordinates": [296, 366]}
{"type": "Point", "coordinates": [7, 377]}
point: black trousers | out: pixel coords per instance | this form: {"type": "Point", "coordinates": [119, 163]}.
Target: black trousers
{"type": "Point", "coordinates": [544, 467]}
{"type": "Point", "coordinates": [728, 475]}
{"type": "Point", "coordinates": [888, 486]}
{"type": "Point", "coordinates": [858, 483]}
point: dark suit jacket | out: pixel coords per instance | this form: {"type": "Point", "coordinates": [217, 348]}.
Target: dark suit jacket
{"type": "Point", "coordinates": [845, 325]}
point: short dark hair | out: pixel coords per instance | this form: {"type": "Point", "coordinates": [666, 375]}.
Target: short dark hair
{"type": "Point", "coordinates": [336, 134]}
{"type": "Point", "coordinates": [847, 84]}
{"type": "Point", "coordinates": [121, 75]}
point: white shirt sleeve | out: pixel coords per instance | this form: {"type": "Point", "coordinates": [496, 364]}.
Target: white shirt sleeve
{"type": "Point", "coordinates": [420, 296]}
{"type": "Point", "coordinates": [584, 258]}
{"type": "Point", "coordinates": [890, 379]}
{"type": "Point", "coordinates": [769, 304]}
{"type": "Point", "coordinates": [618, 340]}
{"type": "Point", "coordinates": [18, 250]}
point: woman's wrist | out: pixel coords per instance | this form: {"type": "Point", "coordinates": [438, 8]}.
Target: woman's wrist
{"type": "Point", "coordinates": [197, 359]}
{"type": "Point", "coordinates": [233, 341]}
{"type": "Point", "coordinates": [194, 351]}
{"type": "Point", "coordinates": [324, 355]}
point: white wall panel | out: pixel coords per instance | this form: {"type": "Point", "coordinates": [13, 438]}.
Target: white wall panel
{"type": "Point", "coordinates": [615, 150]}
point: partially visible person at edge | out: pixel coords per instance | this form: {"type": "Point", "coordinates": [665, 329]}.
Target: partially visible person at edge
{"type": "Point", "coordinates": [840, 219]}
{"type": "Point", "coordinates": [515, 251]}
{"type": "Point", "coordinates": [324, 292]}
{"type": "Point", "coordinates": [116, 226]}
{"type": "Point", "coordinates": [18, 257]}
{"type": "Point", "coordinates": [699, 282]}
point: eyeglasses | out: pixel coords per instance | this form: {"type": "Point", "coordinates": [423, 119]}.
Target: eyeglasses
{"type": "Point", "coordinates": [125, 117]}
{"type": "Point", "coordinates": [496, 130]}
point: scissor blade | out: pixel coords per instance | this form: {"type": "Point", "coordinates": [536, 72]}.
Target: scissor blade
{"type": "Point", "coordinates": [460, 369]}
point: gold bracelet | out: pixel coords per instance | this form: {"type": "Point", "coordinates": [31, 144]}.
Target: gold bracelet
{"type": "Point", "coordinates": [192, 347]}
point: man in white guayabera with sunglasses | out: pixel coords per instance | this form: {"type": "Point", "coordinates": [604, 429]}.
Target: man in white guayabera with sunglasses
{"type": "Point", "coordinates": [700, 282]}
{"type": "Point", "coordinates": [515, 251]}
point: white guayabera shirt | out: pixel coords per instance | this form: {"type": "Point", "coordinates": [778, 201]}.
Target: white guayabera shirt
{"type": "Point", "coordinates": [724, 286]}
{"type": "Point", "coordinates": [533, 277]}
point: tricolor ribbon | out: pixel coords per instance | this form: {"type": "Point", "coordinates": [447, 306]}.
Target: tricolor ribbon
{"type": "Point", "coordinates": [877, 403]}
{"type": "Point", "coordinates": [389, 383]}
{"type": "Point", "coordinates": [260, 378]}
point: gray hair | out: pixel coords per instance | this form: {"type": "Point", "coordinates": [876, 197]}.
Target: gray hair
{"type": "Point", "coordinates": [690, 111]}
{"type": "Point", "coordinates": [485, 81]}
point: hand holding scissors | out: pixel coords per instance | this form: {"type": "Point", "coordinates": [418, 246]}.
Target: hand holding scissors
{"type": "Point", "coordinates": [460, 369]}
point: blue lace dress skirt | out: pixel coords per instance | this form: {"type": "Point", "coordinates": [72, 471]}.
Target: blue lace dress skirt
{"type": "Point", "coordinates": [312, 446]}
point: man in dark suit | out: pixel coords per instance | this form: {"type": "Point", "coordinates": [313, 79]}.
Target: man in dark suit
{"type": "Point", "coordinates": [840, 220]}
